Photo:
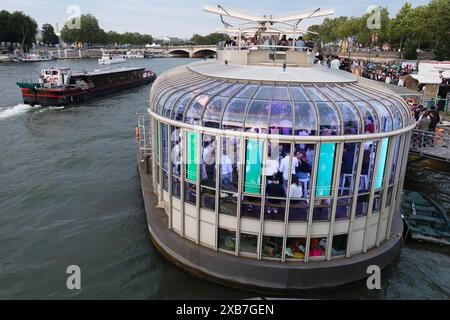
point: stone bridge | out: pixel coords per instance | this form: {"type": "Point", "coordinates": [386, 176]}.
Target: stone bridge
{"type": "Point", "coordinates": [192, 51]}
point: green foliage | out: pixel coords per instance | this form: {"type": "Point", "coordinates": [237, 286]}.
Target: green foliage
{"type": "Point", "coordinates": [425, 26]}
{"type": "Point", "coordinates": [48, 35]}
{"type": "Point", "coordinates": [212, 38]}
{"type": "Point", "coordinates": [17, 27]}
{"type": "Point", "coordinates": [91, 33]}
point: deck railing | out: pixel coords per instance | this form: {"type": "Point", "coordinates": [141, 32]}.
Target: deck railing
{"type": "Point", "coordinates": [144, 138]}
{"type": "Point", "coordinates": [431, 144]}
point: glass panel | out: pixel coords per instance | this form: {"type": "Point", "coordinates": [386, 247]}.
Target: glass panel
{"type": "Point", "coordinates": [165, 146]}
{"type": "Point", "coordinates": [217, 89]}
{"type": "Point", "coordinates": [251, 207]}
{"type": "Point", "coordinates": [369, 116]}
{"type": "Point", "coordinates": [195, 110]}
{"type": "Point", "coordinates": [305, 119]}
{"type": "Point", "coordinates": [382, 163]}
{"type": "Point", "coordinates": [228, 203]}
{"type": "Point", "coordinates": [165, 180]}
{"type": "Point", "coordinates": [229, 164]}
{"type": "Point", "coordinates": [158, 140]}
{"type": "Point", "coordinates": [344, 208]}
{"type": "Point", "coordinates": [378, 197]}
{"type": "Point", "coordinates": [281, 94]}
{"type": "Point", "coordinates": [208, 199]}
{"type": "Point", "coordinates": [258, 116]}
{"type": "Point", "coordinates": [325, 169]}
{"type": "Point", "coordinates": [384, 115]}
{"type": "Point", "coordinates": [368, 164]}
{"type": "Point", "coordinates": [281, 118]}
{"type": "Point", "coordinates": [176, 151]}
{"type": "Point", "coordinates": [178, 110]}
{"type": "Point", "coordinates": [295, 248]}
{"type": "Point", "coordinates": [396, 160]}
{"type": "Point", "coordinates": [389, 197]}
{"type": "Point", "coordinates": [397, 116]}
{"type": "Point", "coordinates": [208, 165]}
{"type": "Point", "coordinates": [247, 91]}
{"type": "Point", "coordinates": [349, 167]}
{"type": "Point", "coordinates": [339, 246]}
{"type": "Point", "coordinates": [315, 94]}
{"type": "Point", "coordinates": [235, 111]}
{"type": "Point", "coordinates": [169, 104]}
{"type": "Point", "coordinates": [176, 187]}
{"type": "Point", "coordinates": [350, 118]}
{"type": "Point", "coordinates": [272, 247]}
{"type": "Point", "coordinates": [253, 166]}
{"type": "Point", "coordinates": [213, 111]}
{"type": "Point", "coordinates": [318, 247]}
{"type": "Point", "coordinates": [192, 155]}
{"type": "Point", "coordinates": [190, 193]}
{"type": "Point", "coordinates": [248, 243]}
{"type": "Point", "coordinates": [231, 90]}
{"type": "Point", "coordinates": [331, 93]}
{"type": "Point", "coordinates": [298, 94]}
{"type": "Point", "coordinates": [322, 209]}
{"type": "Point", "coordinates": [305, 156]}
{"type": "Point", "coordinates": [362, 205]}
{"type": "Point", "coordinates": [264, 93]}
{"type": "Point", "coordinates": [329, 120]}
{"type": "Point", "coordinates": [227, 239]}
{"type": "Point", "coordinates": [275, 199]}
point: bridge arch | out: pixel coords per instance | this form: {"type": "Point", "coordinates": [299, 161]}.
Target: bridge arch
{"type": "Point", "coordinates": [204, 53]}
{"type": "Point", "coordinates": [180, 53]}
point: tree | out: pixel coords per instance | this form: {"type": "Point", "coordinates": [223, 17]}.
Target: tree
{"type": "Point", "coordinates": [5, 32]}
{"type": "Point", "coordinates": [48, 35]}
{"type": "Point", "coordinates": [23, 29]}
{"type": "Point", "coordinates": [210, 39]}
{"type": "Point", "coordinates": [88, 33]}
{"type": "Point", "coordinates": [439, 26]}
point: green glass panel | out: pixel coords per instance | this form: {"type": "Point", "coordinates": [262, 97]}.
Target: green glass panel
{"type": "Point", "coordinates": [192, 155]}
{"type": "Point", "coordinates": [325, 169]}
{"type": "Point", "coordinates": [382, 163]}
{"type": "Point", "coordinates": [253, 163]}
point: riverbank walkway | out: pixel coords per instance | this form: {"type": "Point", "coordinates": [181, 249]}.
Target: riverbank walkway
{"type": "Point", "coordinates": [434, 145]}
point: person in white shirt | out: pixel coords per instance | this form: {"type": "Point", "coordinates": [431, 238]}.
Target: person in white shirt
{"type": "Point", "coordinates": [296, 191]}
{"type": "Point", "coordinates": [226, 170]}
{"type": "Point", "coordinates": [272, 167]}
{"type": "Point", "coordinates": [285, 168]}
{"type": "Point", "coordinates": [176, 158]}
{"type": "Point", "coordinates": [335, 63]}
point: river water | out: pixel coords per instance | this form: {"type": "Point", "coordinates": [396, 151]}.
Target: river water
{"type": "Point", "coordinates": [69, 195]}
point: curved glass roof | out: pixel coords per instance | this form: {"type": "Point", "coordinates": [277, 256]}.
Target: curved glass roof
{"type": "Point", "coordinates": [276, 107]}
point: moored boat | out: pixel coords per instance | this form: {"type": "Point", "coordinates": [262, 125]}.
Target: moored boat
{"type": "Point", "coordinates": [111, 59]}
{"type": "Point", "coordinates": [424, 219]}
{"type": "Point", "coordinates": [35, 58]}
{"type": "Point", "coordinates": [135, 55]}
{"type": "Point", "coordinates": [61, 86]}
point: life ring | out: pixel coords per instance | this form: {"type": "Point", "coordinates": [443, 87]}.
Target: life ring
{"type": "Point", "coordinates": [138, 134]}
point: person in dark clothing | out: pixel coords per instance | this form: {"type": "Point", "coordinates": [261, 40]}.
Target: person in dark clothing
{"type": "Point", "coordinates": [348, 159]}
{"type": "Point", "coordinates": [434, 117]}
{"type": "Point", "coordinates": [275, 190]}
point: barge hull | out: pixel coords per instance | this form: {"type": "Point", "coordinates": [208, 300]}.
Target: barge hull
{"type": "Point", "coordinates": [62, 98]}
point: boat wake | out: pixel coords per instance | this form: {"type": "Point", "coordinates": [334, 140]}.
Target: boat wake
{"type": "Point", "coordinates": [9, 112]}
{"type": "Point", "coordinates": [14, 111]}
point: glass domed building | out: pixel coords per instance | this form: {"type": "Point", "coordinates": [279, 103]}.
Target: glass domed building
{"type": "Point", "coordinates": [274, 178]}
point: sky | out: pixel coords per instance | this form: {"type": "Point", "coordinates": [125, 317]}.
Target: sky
{"type": "Point", "coordinates": [182, 18]}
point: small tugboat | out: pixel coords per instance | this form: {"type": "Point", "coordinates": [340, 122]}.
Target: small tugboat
{"type": "Point", "coordinates": [61, 86]}
{"type": "Point", "coordinates": [111, 59]}
{"type": "Point", "coordinates": [424, 219]}
{"type": "Point", "coordinates": [35, 58]}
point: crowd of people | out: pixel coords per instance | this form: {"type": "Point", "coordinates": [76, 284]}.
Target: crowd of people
{"type": "Point", "coordinates": [270, 41]}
